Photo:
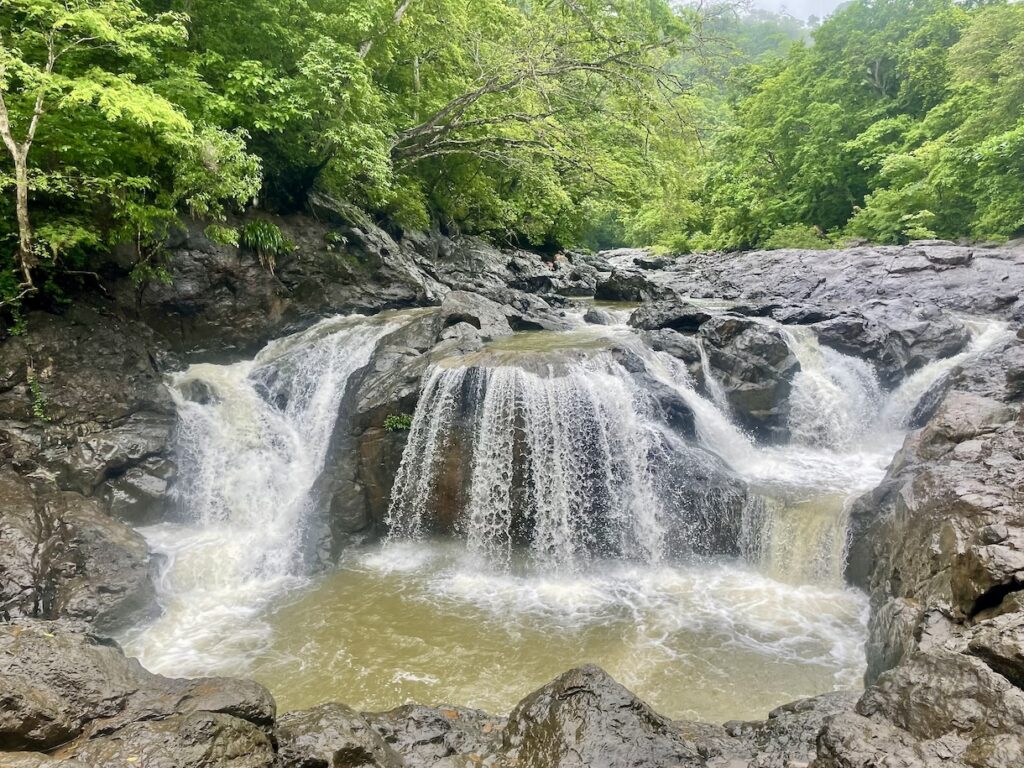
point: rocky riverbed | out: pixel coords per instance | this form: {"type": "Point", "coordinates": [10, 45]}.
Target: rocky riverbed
{"type": "Point", "coordinates": [86, 432]}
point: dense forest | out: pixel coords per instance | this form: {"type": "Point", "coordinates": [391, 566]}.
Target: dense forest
{"type": "Point", "coordinates": [566, 123]}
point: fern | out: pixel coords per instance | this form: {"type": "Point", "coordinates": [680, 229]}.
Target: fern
{"type": "Point", "coordinates": [266, 240]}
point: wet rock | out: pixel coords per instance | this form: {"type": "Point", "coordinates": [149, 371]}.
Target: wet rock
{"type": "Point", "coordinates": [945, 526]}
{"type": "Point", "coordinates": [584, 718]}
{"type": "Point", "coordinates": [196, 740]}
{"type": "Point", "coordinates": [999, 642]}
{"type": "Point", "coordinates": [755, 369]}
{"type": "Point", "coordinates": [789, 736]}
{"type": "Point", "coordinates": [35, 760]}
{"type": "Point", "coordinates": [61, 556]}
{"type": "Point", "coordinates": [680, 346]}
{"type": "Point", "coordinates": [944, 695]}
{"type": "Point", "coordinates": [972, 280]}
{"type": "Point", "coordinates": [440, 737]}
{"type": "Point", "coordinates": [899, 338]}
{"type": "Point", "coordinates": [678, 316]}
{"type": "Point", "coordinates": [72, 694]}
{"type": "Point", "coordinates": [595, 316]}
{"type": "Point", "coordinates": [630, 285]}
{"type": "Point", "coordinates": [331, 735]}
{"type": "Point", "coordinates": [854, 741]}
{"type": "Point", "coordinates": [488, 317]}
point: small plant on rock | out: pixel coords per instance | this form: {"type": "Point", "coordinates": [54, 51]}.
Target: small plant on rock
{"type": "Point", "coordinates": [266, 240]}
{"type": "Point", "coordinates": [398, 422]}
{"type": "Point", "coordinates": [38, 398]}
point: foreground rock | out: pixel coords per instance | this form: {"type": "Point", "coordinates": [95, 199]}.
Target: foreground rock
{"type": "Point", "coordinates": [940, 547]}
{"type": "Point", "coordinates": [585, 718]}
{"type": "Point", "coordinates": [62, 556]}
{"type": "Point", "coordinates": [74, 696]}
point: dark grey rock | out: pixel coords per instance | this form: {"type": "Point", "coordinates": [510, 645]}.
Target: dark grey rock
{"type": "Point", "coordinates": [440, 737]}
{"type": "Point", "coordinates": [61, 555]}
{"type": "Point", "coordinates": [331, 735]}
{"type": "Point", "coordinates": [755, 368]}
{"type": "Point", "coordinates": [679, 316]}
{"type": "Point", "coordinates": [584, 718]}
{"type": "Point", "coordinates": [76, 696]}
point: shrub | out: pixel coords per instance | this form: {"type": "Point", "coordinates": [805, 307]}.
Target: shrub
{"type": "Point", "coordinates": [398, 422]}
{"type": "Point", "coordinates": [266, 240]}
{"type": "Point", "coordinates": [797, 236]}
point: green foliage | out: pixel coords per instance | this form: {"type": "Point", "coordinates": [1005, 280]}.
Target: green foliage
{"type": "Point", "coordinates": [797, 236]}
{"type": "Point", "coordinates": [398, 422]}
{"type": "Point", "coordinates": [38, 398]}
{"type": "Point", "coordinates": [902, 121]}
{"type": "Point", "coordinates": [575, 121]}
{"type": "Point", "coordinates": [266, 240]}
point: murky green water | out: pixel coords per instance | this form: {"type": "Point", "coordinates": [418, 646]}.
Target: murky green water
{"type": "Point", "coordinates": [420, 622]}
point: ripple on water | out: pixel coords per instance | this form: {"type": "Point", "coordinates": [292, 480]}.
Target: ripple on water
{"type": "Point", "coordinates": [423, 622]}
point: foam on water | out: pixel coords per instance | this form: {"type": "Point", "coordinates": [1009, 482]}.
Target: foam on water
{"type": "Point", "coordinates": [251, 441]}
{"type": "Point", "coordinates": [713, 641]}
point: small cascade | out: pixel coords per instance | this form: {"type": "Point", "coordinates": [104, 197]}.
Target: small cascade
{"type": "Point", "coordinates": [252, 439]}
{"type": "Point", "coordinates": [797, 540]}
{"type": "Point", "coordinates": [573, 460]}
{"type": "Point", "coordinates": [835, 398]}
{"type": "Point", "coordinates": [904, 399]}
{"type": "Point", "coordinates": [711, 382]}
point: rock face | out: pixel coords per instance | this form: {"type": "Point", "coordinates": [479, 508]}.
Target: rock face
{"type": "Point", "coordinates": [585, 718]}
{"type": "Point", "coordinates": [755, 369]}
{"type": "Point", "coordinates": [972, 280]}
{"type": "Point", "coordinates": [67, 693]}
{"type": "Point", "coordinates": [898, 337]}
{"type": "Point", "coordinates": [940, 547]}
{"type": "Point", "coordinates": [60, 555]}
{"type": "Point", "coordinates": [331, 735]}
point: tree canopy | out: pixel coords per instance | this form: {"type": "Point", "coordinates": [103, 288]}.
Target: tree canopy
{"type": "Point", "coordinates": [568, 122]}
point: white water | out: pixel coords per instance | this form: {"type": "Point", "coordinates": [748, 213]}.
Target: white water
{"type": "Point", "coordinates": [555, 431]}
{"type": "Point", "coordinates": [573, 457]}
{"type": "Point", "coordinates": [250, 446]}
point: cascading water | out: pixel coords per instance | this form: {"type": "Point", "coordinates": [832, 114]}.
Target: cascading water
{"type": "Point", "coordinates": [571, 455]}
{"type": "Point", "coordinates": [252, 438]}
{"type": "Point", "coordinates": [576, 474]}
{"type": "Point", "coordinates": [834, 397]}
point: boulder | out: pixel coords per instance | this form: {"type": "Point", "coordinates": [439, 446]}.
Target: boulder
{"type": "Point", "coordinates": [755, 368]}
{"type": "Point", "coordinates": [440, 737]}
{"type": "Point", "coordinates": [62, 556]}
{"type": "Point", "coordinates": [898, 338]}
{"type": "Point", "coordinates": [676, 315]}
{"type": "Point", "coordinates": [630, 285]}
{"type": "Point", "coordinates": [488, 317]}
{"type": "Point", "coordinates": [584, 718]}
{"type": "Point", "coordinates": [76, 696]}
{"type": "Point", "coordinates": [331, 735]}
{"type": "Point", "coordinates": [595, 316]}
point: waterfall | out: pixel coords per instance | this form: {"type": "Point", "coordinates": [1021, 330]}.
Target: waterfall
{"type": "Point", "coordinates": [711, 382]}
{"type": "Point", "coordinates": [834, 398]}
{"type": "Point", "coordinates": [252, 438]}
{"type": "Point", "coordinates": [573, 460]}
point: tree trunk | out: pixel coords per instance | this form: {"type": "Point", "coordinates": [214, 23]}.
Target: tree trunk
{"type": "Point", "coordinates": [25, 255]}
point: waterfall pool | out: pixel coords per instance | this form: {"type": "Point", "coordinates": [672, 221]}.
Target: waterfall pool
{"type": "Point", "coordinates": [699, 568]}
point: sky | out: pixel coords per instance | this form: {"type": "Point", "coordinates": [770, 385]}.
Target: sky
{"type": "Point", "coordinates": [800, 8]}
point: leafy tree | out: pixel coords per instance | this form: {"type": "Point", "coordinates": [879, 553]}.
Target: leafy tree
{"type": "Point", "coordinates": [87, 128]}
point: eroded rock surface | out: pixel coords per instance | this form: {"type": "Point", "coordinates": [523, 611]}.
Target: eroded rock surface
{"type": "Point", "coordinates": [73, 695]}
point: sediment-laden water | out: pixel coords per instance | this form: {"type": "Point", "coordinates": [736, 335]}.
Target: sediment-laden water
{"type": "Point", "coordinates": [549, 511]}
